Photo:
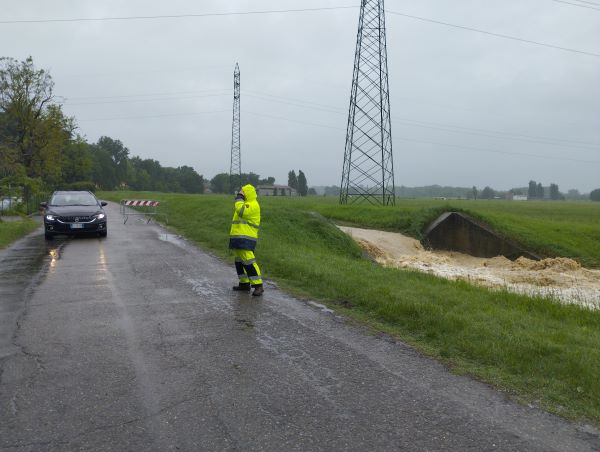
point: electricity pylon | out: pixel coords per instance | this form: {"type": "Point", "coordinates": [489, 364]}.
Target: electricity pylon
{"type": "Point", "coordinates": [235, 169]}
{"type": "Point", "coordinates": [368, 172]}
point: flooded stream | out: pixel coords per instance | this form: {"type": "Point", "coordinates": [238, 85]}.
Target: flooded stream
{"type": "Point", "coordinates": [560, 278]}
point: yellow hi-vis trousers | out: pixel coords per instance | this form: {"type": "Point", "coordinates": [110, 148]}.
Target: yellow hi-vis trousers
{"type": "Point", "coordinates": [246, 267]}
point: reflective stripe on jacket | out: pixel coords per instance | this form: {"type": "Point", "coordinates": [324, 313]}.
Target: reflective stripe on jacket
{"type": "Point", "coordinates": [243, 234]}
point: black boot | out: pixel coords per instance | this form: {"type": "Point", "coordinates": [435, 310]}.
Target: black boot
{"type": "Point", "coordinates": [258, 290]}
{"type": "Point", "coordinates": [242, 287]}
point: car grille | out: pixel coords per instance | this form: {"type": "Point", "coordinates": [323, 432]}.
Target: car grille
{"type": "Point", "coordinates": [75, 219]}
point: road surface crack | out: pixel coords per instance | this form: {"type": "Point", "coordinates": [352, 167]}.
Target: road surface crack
{"type": "Point", "coordinates": [68, 441]}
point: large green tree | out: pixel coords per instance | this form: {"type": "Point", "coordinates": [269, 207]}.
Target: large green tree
{"type": "Point", "coordinates": [33, 129]}
{"type": "Point", "coordinates": [119, 155]}
{"type": "Point", "coordinates": [190, 180]}
{"type": "Point", "coordinates": [104, 174]}
{"type": "Point", "coordinates": [77, 162]}
{"type": "Point", "coordinates": [220, 183]}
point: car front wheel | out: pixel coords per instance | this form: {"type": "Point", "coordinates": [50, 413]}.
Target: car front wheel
{"type": "Point", "coordinates": [103, 233]}
{"type": "Point", "coordinates": [48, 236]}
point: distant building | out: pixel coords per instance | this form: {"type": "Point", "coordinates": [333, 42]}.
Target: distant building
{"type": "Point", "coordinates": [275, 190]}
{"type": "Point", "coordinates": [519, 198]}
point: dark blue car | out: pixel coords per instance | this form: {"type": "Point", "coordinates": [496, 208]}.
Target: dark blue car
{"type": "Point", "coordinates": [74, 213]}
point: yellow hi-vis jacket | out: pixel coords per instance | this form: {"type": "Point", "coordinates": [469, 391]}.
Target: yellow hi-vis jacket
{"type": "Point", "coordinates": [246, 221]}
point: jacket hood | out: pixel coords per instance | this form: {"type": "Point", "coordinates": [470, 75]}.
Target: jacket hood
{"type": "Point", "coordinates": [249, 192]}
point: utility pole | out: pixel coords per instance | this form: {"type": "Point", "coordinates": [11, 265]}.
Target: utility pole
{"type": "Point", "coordinates": [368, 171]}
{"type": "Point", "coordinates": [235, 168]}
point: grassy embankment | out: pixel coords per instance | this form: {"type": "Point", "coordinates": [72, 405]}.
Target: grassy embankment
{"type": "Point", "coordinates": [14, 230]}
{"type": "Point", "coordinates": [538, 351]}
{"type": "Point", "coordinates": [551, 229]}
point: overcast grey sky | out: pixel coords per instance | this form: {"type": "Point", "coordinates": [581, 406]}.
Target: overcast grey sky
{"type": "Point", "coordinates": [467, 108]}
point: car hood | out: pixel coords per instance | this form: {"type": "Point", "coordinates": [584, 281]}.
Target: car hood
{"type": "Point", "coordinates": [73, 210]}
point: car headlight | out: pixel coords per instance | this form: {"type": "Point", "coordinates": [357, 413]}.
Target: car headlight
{"type": "Point", "coordinates": [50, 217]}
{"type": "Point", "coordinates": [100, 216]}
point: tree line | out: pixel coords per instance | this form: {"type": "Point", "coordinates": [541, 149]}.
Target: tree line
{"type": "Point", "coordinates": [226, 183]}
{"type": "Point", "coordinates": [438, 191]}
{"type": "Point", "coordinates": [40, 148]}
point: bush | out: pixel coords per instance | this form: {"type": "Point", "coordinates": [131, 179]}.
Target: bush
{"type": "Point", "coordinates": [595, 195]}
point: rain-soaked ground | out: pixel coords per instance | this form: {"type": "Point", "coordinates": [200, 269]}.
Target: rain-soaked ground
{"type": "Point", "coordinates": [136, 342]}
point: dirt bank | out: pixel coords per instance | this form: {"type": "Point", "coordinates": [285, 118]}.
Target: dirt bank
{"type": "Point", "coordinates": [559, 278]}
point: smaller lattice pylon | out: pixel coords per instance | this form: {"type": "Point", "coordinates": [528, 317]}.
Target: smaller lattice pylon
{"type": "Point", "coordinates": [235, 168]}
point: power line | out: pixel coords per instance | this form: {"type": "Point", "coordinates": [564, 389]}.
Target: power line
{"type": "Point", "coordinates": [144, 71]}
{"type": "Point", "coordinates": [129, 101]}
{"type": "Point", "coordinates": [500, 135]}
{"type": "Point", "coordinates": [282, 11]}
{"type": "Point", "coordinates": [468, 148]}
{"type": "Point", "coordinates": [577, 4]}
{"type": "Point", "coordinates": [337, 110]}
{"type": "Point", "coordinates": [497, 151]}
{"type": "Point", "coordinates": [281, 118]}
{"type": "Point", "coordinates": [436, 105]}
{"type": "Point", "coordinates": [124, 96]}
{"type": "Point", "coordinates": [326, 109]}
{"type": "Point", "coordinates": [464, 130]}
{"type": "Point", "coordinates": [480, 112]}
{"type": "Point", "coordinates": [340, 111]}
{"type": "Point", "coordinates": [588, 2]}
{"type": "Point", "coordinates": [295, 100]}
{"type": "Point", "coordinates": [498, 35]}
{"type": "Point", "coordinates": [168, 115]}
{"type": "Point", "coordinates": [175, 16]}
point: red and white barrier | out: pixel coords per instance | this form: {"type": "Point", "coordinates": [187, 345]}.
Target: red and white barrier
{"type": "Point", "coordinates": [151, 211]}
{"type": "Point", "coordinates": [141, 203]}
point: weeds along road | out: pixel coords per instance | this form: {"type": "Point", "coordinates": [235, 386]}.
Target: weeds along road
{"type": "Point", "coordinates": [136, 342]}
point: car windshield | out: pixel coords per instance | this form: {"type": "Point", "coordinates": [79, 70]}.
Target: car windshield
{"type": "Point", "coordinates": [73, 199]}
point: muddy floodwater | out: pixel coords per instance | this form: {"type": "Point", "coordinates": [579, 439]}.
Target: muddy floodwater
{"type": "Point", "coordinates": [558, 278]}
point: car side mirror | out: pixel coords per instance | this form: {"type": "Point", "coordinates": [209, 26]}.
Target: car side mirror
{"type": "Point", "coordinates": [103, 203]}
{"type": "Point", "coordinates": [44, 205]}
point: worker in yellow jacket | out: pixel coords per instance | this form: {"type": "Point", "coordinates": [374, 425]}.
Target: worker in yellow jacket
{"type": "Point", "coordinates": [242, 240]}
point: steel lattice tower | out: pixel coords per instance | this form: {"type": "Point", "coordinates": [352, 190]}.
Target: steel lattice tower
{"type": "Point", "coordinates": [235, 169]}
{"type": "Point", "coordinates": [368, 172]}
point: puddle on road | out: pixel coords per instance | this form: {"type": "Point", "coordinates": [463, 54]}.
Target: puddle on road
{"type": "Point", "coordinates": [171, 238]}
{"type": "Point", "coordinates": [203, 286]}
{"type": "Point", "coordinates": [559, 278]}
{"type": "Point", "coordinates": [321, 307]}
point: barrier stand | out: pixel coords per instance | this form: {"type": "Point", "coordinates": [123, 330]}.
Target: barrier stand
{"type": "Point", "coordinates": [143, 208]}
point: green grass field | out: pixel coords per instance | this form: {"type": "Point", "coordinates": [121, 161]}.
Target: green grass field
{"type": "Point", "coordinates": [14, 230]}
{"type": "Point", "coordinates": [534, 349]}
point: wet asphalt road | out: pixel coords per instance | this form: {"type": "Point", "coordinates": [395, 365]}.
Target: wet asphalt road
{"type": "Point", "coordinates": [135, 342]}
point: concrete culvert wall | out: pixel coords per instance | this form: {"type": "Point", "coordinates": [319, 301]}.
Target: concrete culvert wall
{"type": "Point", "coordinates": [456, 231]}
